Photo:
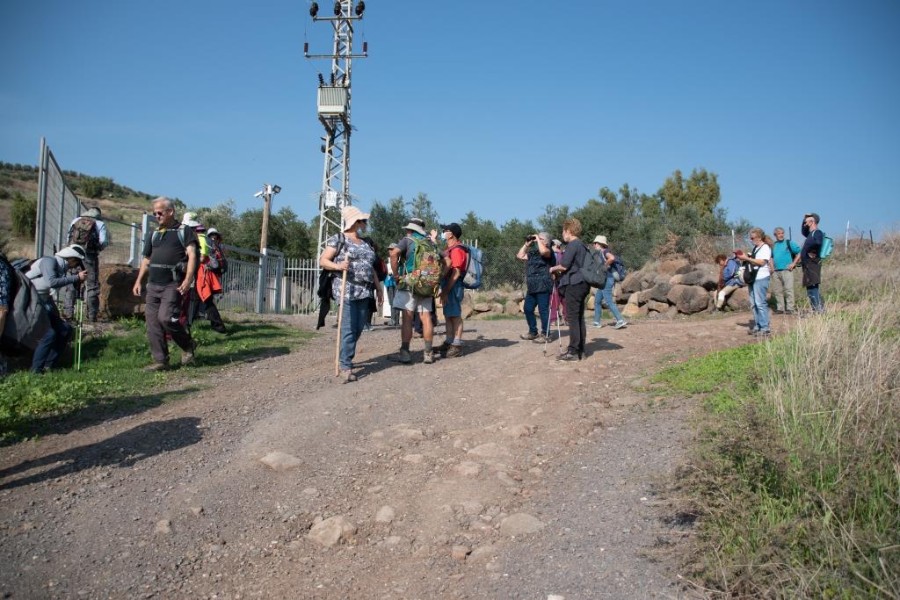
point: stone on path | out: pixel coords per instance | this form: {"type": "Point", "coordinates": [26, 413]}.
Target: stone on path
{"type": "Point", "coordinates": [459, 552]}
{"type": "Point", "coordinates": [331, 531]}
{"type": "Point", "coordinates": [468, 468]}
{"type": "Point", "coordinates": [163, 526]}
{"type": "Point", "coordinates": [520, 524]}
{"type": "Point", "coordinates": [280, 461]}
{"type": "Point", "coordinates": [385, 514]}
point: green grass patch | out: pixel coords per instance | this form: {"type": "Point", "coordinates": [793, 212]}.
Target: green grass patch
{"type": "Point", "coordinates": [721, 378]}
{"type": "Point", "coordinates": [794, 473]}
{"type": "Point", "coordinates": [111, 380]}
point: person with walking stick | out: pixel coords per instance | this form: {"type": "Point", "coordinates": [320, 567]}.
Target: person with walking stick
{"type": "Point", "coordinates": [350, 255]}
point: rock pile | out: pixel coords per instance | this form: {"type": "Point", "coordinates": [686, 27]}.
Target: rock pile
{"type": "Point", "coordinates": [666, 288]}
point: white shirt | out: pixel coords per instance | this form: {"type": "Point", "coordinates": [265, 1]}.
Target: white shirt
{"type": "Point", "coordinates": [764, 252]}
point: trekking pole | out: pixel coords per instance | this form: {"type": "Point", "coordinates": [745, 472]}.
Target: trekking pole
{"type": "Point", "coordinates": [559, 327]}
{"type": "Point", "coordinates": [337, 342]}
{"type": "Point", "coordinates": [79, 330]}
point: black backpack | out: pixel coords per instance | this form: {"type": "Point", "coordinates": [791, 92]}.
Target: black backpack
{"type": "Point", "coordinates": [27, 320]}
{"type": "Point", "coordinates": [594, 268]}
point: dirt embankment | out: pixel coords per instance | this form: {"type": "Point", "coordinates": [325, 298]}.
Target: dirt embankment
{"type": "Point", "coordinates": [501, 474]}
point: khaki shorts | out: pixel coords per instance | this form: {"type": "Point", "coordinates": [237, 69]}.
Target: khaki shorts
{"type": "Point", "coordinates": [406, 300]}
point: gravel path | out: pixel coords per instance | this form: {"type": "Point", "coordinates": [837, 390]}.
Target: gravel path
{"type": "Point", "coordinates": [501, 474]}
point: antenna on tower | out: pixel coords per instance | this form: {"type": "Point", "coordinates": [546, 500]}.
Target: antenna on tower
{"type": "Point", "coordinates": [333, 105]}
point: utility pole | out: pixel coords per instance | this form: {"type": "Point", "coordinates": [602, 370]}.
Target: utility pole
{"type": "Point", "coordinates": [333, 104]}
{"type": "Point", "coordinates": [266, 194]}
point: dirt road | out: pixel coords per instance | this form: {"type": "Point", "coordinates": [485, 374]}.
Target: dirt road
{"type": "Point", "coordinates": [501, 474]}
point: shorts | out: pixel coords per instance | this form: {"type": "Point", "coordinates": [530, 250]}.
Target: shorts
{"type": "Point", "coordinates": [453, 305]}
{"type": "Point", "coordinates": [406, 300]}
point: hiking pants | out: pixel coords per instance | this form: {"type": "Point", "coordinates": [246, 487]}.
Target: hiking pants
{"type": "Point", "coordinates": [575, 298]}
{"type": "Point", "coordinates": [758, 291]}
{"type": "Point", "coordinates": [162, 312]}
{"type": "Point", "coordinates": [90, 288]}
{"type": "Point", "coordinates": [353, 319]}
{"type": "Point", "coordinates": [606, 294]}
{"type": "Point", "coordinates": [54, 341]}
{"type": "Point", "coordinates": [783, 289]}
{"type": "Point", "coordinates": [541, 300]}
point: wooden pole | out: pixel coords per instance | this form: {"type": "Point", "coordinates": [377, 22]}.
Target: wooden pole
{"type": "Point", "coordinates": [337, 342]}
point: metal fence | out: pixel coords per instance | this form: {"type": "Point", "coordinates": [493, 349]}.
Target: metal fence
{"type": "Point", "coordinates": [56, 207]}
{"type": "Point", "coordinates": [254, 281]}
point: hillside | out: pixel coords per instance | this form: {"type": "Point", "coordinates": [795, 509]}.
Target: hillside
{"type": "Point", "coordinates": [118, 202]}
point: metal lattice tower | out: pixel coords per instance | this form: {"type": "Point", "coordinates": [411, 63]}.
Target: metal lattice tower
{"type": "Point", "coordinates": [333, 105]}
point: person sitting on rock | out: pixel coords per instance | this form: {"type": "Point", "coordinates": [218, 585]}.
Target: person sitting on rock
{"type": "Point", "coordinates": [729, 278]}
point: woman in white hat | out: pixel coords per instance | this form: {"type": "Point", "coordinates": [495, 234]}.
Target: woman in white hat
{"type": "Point", "coordinates": [606, 293]}
{"type": "Point", "coordinates": [347, 251]}
{"type": "Point", "coordinates": [51, 272]}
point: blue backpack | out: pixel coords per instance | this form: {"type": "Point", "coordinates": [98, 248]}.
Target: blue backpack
{"type": "Point", "coordinates": [827, 247]}
{"type": "Point", "coordinates": [474, 267]}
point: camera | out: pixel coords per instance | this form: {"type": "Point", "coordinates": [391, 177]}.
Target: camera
{"type": "Point", "coordinates": [530, 238]}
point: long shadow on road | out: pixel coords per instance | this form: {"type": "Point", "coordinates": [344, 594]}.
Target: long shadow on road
{"type": "Point", "coordinates": [122, 450]}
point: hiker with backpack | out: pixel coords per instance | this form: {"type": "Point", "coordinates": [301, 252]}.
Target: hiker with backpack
{"type": "Point", "coordinates": [209, 281]}
{"type": "Point", "coordinates": [539, 258]}
{"type": "Point", "coordinates": [810, 259]}
{"type": "Point", "coordinates": [170, 257]}
{"type": "Point", "coordinates": [46, 274]}
{"type": "Point", "coordinates": [606, 292]}
{"type": "Point", "coordinates": [418, 264]}
{"type": "Point", "coordinates": [88, 231]}
{"type": "Point", "coordinates": [783, 254]}
{"type": "Point", "coordinates": [349, 254]}
{"type": "Point", "coordinates": [729, 279]}
{"type": "Point", "coordinates": [757, 275]}
{"type": "Point", "coordinates": [573, 288]}
{"type": "Point", "coordinates": [451, 291]}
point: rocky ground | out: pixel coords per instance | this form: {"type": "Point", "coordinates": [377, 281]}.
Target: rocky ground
{"type": "Point", "coordinates": [501, 474]}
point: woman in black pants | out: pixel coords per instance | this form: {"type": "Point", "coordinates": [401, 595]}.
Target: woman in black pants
{"type": "Point", "coordinates": [573, 288]}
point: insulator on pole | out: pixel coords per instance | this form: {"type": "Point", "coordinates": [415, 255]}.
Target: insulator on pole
{"type": "Point", "coordinates": [365, 47]}
{"type": "Point", "coordinates": [305, 47]}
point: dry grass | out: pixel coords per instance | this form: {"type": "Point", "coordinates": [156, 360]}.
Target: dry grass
{"type": "Point", "coordinates": [798, 480]}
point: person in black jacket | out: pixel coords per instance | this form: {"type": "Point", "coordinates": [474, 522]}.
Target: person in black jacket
{"type": "Point", "coordinates": [573, 288]}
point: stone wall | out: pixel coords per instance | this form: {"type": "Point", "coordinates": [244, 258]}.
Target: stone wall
{"type": "Point", "coordinates": [666, 288]}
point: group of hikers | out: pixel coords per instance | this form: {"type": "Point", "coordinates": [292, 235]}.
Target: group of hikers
{"type": "Point", "coordinates": [771, 263]}
{"type": "Point", "coordinates": [191, 256]}
{"type": "Point", "coordinates": [183, 263]}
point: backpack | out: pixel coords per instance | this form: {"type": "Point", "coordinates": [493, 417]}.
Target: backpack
{"type": "Point", "coordinates": [27, 320]}
{"type": "Point", "coordinates": [423, 269]}
{"type": "Point", "coordinates": [474, 267]}
{"type": "Point", "coordinates": [618, 268]}
{"type": "Point", "coordinates": [750, 271]}
{"type": "Point", "coordinates": [84, 233]}
{"type": "Point", "coordinates": [594, 268]}
{"type": "Point", "coordinates": [827, 247]}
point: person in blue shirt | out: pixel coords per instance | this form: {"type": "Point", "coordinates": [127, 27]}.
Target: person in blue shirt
{"type": "Point", "coordinates": [783, 254]}
{"type": "Point", "coordinates": [808, 258]}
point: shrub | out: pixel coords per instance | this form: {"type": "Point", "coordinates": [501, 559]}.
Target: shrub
{"type": "Point", "coordinates": [24, 215]}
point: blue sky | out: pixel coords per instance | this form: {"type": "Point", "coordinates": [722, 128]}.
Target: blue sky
{"type": "Point", "coordinates": [495, 107]}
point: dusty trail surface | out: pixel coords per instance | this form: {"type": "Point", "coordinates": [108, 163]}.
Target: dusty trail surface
{"type": "Point", "coordinates": [501, 474]}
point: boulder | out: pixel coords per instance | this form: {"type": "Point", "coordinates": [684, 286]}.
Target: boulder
{"type": "Point", "coordinates": [655, 306]}
{"type": "Point", "coordinates": [633, 310]}
{"type": "Point", "coordinates": [633, 282]}
{"type": "Point", "coordinates": [688, 299]}
{"type": "Point", "coordinates": [511, 307]}
{"type": "Point", "coordinates": [670, 267]}
{"type": "Point", "coordinates": [739, 299]}
{"type": "Point", "coordinates": [517, 295]}
{"type": "Point", "coordinates": [482, 307]}
{"type": "Point", "coordinates": [705, 276]}
{"type": "Point", "coordinates": [116, 297]}
{"type": "Point", "coordinates": [660, 292]}
{"type": "Point", "coordinates": [468, 306]}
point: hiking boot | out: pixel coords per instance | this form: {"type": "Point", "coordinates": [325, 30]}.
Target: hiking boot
{"type": "Point", "coordinates": [155, 367]}
{"type": "Point", "coordinates": [187, 357]}
{"type": "Point", "coordinates": [620, 324]}
{"type": "Point", "coordinates": [405, 357]}
{"type": "Point", "coordinates": [454, 352]}
{"type": "Point", "coordinates": [442, 349]}
{"type": "Point", "coordinates": [348, 376]}
{"type": "Point", "coordinates": [541, 339]}
{"type": "Point", "coordinates": [429, 357]}
{"type": "Point", "coordinates": [528, 336]}
{"type": "Point", "coordinates": [568, 356]}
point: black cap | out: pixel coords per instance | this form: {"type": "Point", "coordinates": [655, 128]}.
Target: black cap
{"type": "Point", "coordinates": [453, 228]}
{"type": "Point", "coordinates": [813, 215]}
